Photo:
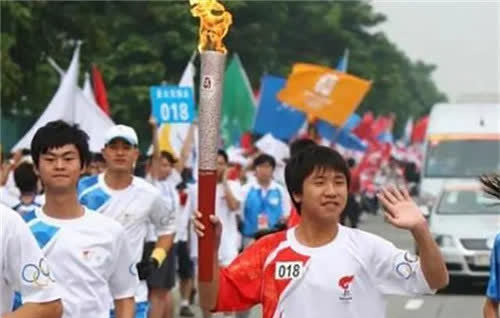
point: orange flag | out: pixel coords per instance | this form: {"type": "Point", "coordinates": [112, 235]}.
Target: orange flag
{"type": "Point", "coordinates": [323, 93]}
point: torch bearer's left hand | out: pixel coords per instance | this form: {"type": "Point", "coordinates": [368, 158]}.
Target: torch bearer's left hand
{"type": "Point", "coordinates": [200, 228]}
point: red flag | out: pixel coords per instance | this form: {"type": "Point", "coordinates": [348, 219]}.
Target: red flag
{"type": "Point", "coordinates": [100, 90]}
{"type": "Point", "coordinates": [364, 129]}
{"type": "Point", "coordinates": [419, 130]}
{"type": "Point", "coordinates": [382, 124]}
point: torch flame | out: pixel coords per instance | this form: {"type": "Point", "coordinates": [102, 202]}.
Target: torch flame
{"type": "Point", "coordinates": [214, 24]}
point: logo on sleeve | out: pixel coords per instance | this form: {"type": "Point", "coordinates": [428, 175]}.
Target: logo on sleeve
{"type": "Point", "coordinates": [288, 270]}
{"type": "Point", "coordinates": [404, 270]}
{"type": "Point", "coordinates": [345, 283]}
{"type": "Point", "coordinates": [37, 274]}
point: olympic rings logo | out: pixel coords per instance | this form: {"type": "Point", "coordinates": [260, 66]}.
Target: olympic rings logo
{"type": "Point", "coordinates": [39, 275]}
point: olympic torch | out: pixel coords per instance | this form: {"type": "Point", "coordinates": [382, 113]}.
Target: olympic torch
{"type": "Point", "coordinates": [214, 24]}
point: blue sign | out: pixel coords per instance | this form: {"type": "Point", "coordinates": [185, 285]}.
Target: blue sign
{"type": "Point", "coordinates": [172, 104]}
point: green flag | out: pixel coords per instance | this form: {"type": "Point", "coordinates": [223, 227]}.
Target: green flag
{"type": "Point", "coordinates": [238, 104]}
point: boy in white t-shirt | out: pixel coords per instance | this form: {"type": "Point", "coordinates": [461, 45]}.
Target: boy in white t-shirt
{"type": "Point", "coordinates": [88, 252]}
{"type": "Point", "coordinates": [134, 203]}
{"type": "Point", "coordinates": [21, 265]}
{"type": "Point", "coordinates": [321, 268]}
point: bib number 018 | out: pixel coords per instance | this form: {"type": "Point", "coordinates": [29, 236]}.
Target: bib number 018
{"type": "Point", "coordinates": [288, 270]}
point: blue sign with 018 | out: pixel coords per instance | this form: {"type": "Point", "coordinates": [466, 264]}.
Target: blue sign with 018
{"type": "Point", "coordinates": [172, 104]}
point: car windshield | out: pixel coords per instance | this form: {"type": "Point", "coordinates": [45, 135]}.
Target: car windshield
{"type": "Point", "coordinates": [461, 159]}
{"type": "Point", "coordinates": [467, 202]}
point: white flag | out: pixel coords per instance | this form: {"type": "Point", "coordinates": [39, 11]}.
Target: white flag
{"type": "Point", "coordinates": [408, 130]}
{"type": "Point", "coordinates": [87, 88]}
{"type": "Point", "coordinates": [59, 106]}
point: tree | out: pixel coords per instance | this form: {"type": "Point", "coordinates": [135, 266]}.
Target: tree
{"type": "Point", "coordinates": [139, 44]}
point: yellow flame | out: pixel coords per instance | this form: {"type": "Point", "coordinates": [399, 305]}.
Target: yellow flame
{"type": "Point", "coordinates": [214, 24]}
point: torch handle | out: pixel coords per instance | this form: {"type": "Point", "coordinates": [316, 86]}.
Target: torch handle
{"type": "Point", "coordinates": [211, 86]}
{"type": "Point", "coordinates": [206, 205]}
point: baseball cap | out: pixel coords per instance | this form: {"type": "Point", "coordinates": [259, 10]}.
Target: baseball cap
{"type": "Point", "coordinates": [121, 132]}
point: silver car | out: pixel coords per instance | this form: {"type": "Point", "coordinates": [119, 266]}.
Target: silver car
{"type": "Point", "coordinates": [464, 223]}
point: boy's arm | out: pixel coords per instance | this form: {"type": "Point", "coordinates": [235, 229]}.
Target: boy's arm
{"type": "Point", "coordinates": [125, 307]}
{"type": "Point", "coordinates": [490, 308]}
{"type": "Point", "coordinates": [402, 212]}
{"type": "Point", "coordinates": [236, 287]}
{"type": "Point", "coordinates": [51, 309]}
{"type": "Point", "coordinates": [155, 157]}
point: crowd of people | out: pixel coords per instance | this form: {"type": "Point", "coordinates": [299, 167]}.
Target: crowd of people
{"type": "Point", "coordinates": [274, 224]}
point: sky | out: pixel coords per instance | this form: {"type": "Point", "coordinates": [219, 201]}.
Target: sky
{"type": "Point", "coordinates": [461, 37]}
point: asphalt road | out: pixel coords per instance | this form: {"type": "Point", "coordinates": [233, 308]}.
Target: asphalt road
{"type": "Point", "coordinates": [462, 299]}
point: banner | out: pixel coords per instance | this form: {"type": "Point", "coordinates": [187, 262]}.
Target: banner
{"type": "Point", "coordinates": [324, 93]}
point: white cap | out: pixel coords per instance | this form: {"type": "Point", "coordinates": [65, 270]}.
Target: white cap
{"type": "Point", "coordinates": [121, 131]}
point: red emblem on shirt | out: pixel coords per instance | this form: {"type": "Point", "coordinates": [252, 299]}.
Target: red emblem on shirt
{"type": "Point", "coordinates": [344, 283]}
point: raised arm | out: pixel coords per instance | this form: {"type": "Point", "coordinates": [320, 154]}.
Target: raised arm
{"type": "Point", "coordinates": [402, 212]}
{"type": "Point", "coordinates": [186, 148]}
{"type": "Point", "coordinates": [155, 157]}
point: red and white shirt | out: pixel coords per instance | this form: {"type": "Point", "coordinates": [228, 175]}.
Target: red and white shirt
{"type": "Point", "coordinates": [347, 277]}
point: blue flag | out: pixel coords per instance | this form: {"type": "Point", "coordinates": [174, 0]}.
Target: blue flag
{"type": "Point", "coordinates": [343, 62]}
{"type": "Point", "coordinates": [344, 137]}
{"type": "Point", "coordinates": [274, 117]}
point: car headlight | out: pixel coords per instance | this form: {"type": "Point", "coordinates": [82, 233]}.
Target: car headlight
{"type": "Point", "coordinates": [444, 240]}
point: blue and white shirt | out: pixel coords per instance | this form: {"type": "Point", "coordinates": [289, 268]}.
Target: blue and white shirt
{"type": "Point", "coordinates": [23, 267]}
{"type": "Point", "coordinates": [272, 203]}
{"type": "Point", "coordinates": [89, 256]}
{"type": "Point", "coordinates": [493, 291]}
{"type": "Point", "coordinates": [134, 207]}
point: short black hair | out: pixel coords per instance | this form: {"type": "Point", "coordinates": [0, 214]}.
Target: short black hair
{"type": "Point", "coordinates": [303, 164]}
{"type": "Point", "coordinates": [56, 134]}
{"type": "Point", "coordinates": [351, 162]}
{"type": "Point", "coordinates": [223, 154]}
{"type": "Point", "coordinates": [97, 157]}
{"type": "Point", "coordinates": [26, 178]}
{"type": "Point", "coordinates": [262, 159]}
{"type": "Point", "coordinates": [300, 144]}
{"type": "Point", "coordinates": [167, 155]}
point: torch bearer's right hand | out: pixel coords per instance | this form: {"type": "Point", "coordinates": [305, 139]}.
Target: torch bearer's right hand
{"type": "Point", "coordinates": [200, 228]}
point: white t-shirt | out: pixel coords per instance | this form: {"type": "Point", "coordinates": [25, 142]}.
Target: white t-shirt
{"type": "Point", "coordinates": [133, 207]}
{"type": "Point", "coordinates": [174, 178]}
{"type": "Point", "coordinates": [230, 238]}
{"type": "Point", "coordinates": [7, 197]}
{"type": "Point", "coordinates": [171, 197]}
{"type": "Point", "coordinates": [185, 232]}
{"type": "Point", "coordinates": [347, 277]}
{"type": "Point", "coordinates": [90, 256]}
{"type": "Point", "coordinates": [23, 267]}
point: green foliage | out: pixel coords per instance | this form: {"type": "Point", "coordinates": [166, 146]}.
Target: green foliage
{"type": "Point", "coordinates": [139, 44]}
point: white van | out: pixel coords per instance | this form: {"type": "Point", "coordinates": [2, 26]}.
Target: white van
{"type": "Point", "coordinates": [462, 142]}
